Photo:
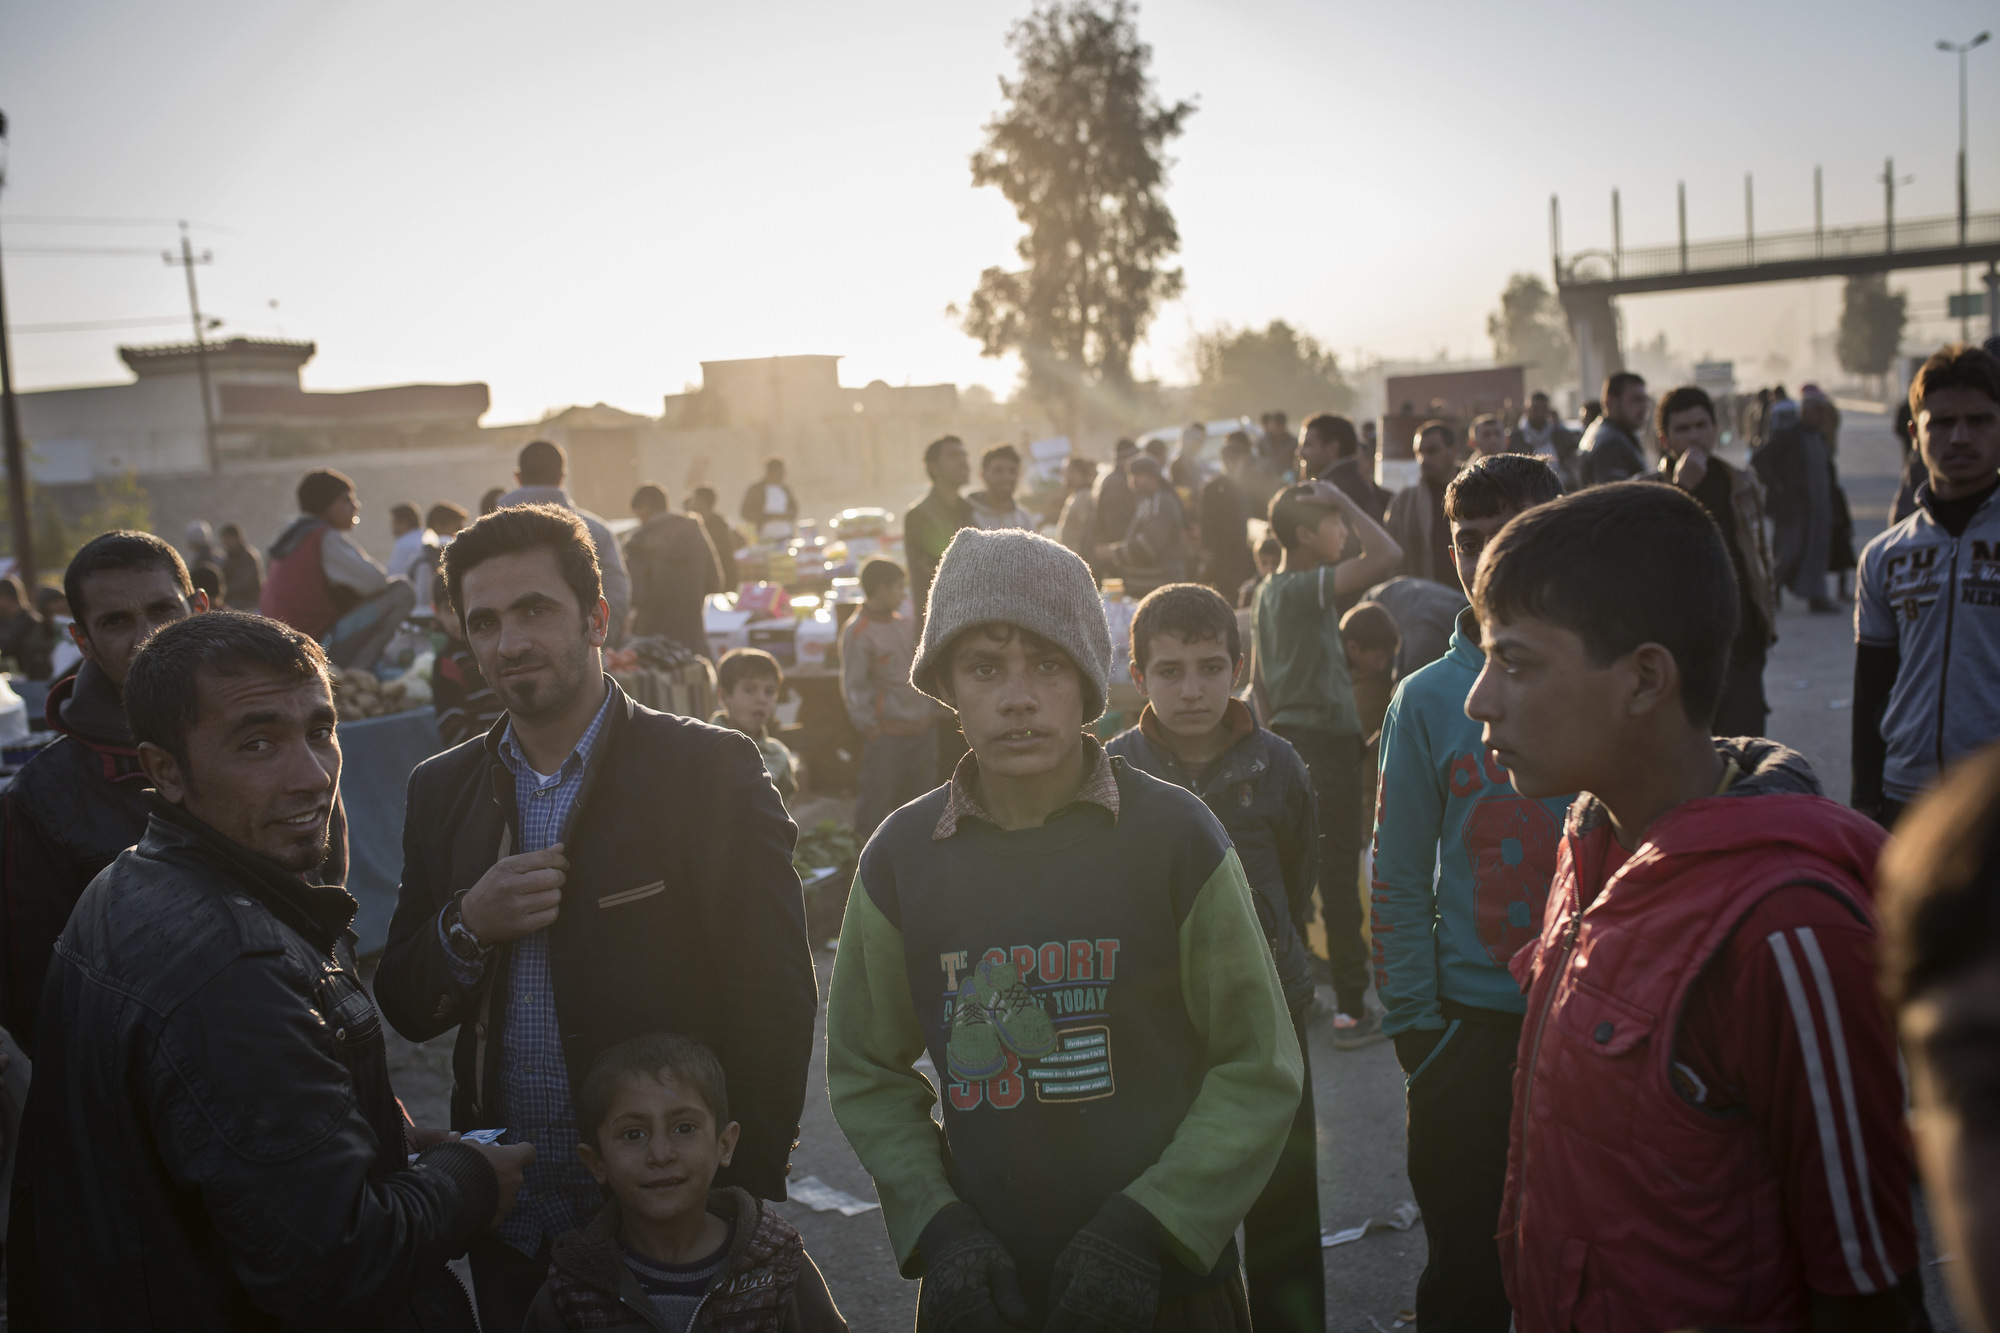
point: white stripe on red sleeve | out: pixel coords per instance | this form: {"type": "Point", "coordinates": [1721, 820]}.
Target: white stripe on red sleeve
{"type": "Point", "coordinates": [1829, 1136]}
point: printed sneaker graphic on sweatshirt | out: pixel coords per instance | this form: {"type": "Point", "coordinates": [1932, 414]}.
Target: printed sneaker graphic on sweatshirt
{"type": "Point", "coordinates": [1029, 1017]}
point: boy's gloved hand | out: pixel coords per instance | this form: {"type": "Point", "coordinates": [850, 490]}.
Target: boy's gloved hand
{"type": "Point", "coordinates": [970, 1285]}
{"type": "Point", "coordinates": [1107, 1279]}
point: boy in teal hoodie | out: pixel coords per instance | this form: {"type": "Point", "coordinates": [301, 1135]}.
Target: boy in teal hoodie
{"type": "Point", "coordinates": [1074, 945]}
{"type": "Point", "coordinates": [1462, 869]}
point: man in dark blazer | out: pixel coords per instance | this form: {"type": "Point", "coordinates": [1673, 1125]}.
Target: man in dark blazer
{"type": "Point", "coordinates": [588, 871]}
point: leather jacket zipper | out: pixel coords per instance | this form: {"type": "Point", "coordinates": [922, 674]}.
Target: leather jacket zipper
{"type": "Point", "coordinates": [1570, 933]}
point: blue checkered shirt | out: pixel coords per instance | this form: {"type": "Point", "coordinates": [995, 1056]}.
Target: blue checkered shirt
{"type": "Point", "coordinates": [558, 1194]}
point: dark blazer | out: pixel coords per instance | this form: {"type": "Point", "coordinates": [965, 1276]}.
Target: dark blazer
{"type": "Point", "coordinates": [681, 913]}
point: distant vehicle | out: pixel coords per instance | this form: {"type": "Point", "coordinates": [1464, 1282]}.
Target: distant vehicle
{"type": "Point", "coordinates": [1207, 459]}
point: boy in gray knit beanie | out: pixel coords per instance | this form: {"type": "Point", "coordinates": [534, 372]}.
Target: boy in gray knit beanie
{"type": "Point", "coordinates": [1016, 578]}
{"type": "Point", "coordinates": [1074, 945]}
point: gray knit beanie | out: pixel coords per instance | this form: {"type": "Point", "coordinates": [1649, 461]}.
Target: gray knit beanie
{"type": "Point", "coordinates": [1016, 578]}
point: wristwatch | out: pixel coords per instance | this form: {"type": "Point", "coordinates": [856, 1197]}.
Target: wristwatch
{"type": "Point", "coordinates": [463, 942]}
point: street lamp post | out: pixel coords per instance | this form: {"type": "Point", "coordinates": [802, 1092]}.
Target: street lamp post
{"type": "Point", "coordinates": [1961, 49]}
{"type": "Point", "coordinates": [10, 427]}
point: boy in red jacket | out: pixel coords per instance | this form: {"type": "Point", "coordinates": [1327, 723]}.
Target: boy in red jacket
{"type": "Point", "coordinates": [1708, 1118]}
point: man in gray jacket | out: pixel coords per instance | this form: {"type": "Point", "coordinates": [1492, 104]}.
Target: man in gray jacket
{"type": "Point", "coordinates": [1154, 551]}
{"type": "Point", "coordinates": [540, 468]}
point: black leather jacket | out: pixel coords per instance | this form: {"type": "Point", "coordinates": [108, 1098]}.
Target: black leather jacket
{"type": "Point", "coordinates": [69, 811]}
{"type": "Point", "coordinates": [211, 1140]}
{"type": "Point", "coordinates": [1261, 793]}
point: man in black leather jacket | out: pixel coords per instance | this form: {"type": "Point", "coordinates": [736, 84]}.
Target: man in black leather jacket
{"type": "Point", "coordinates": [80, 802]}
{"type": "Point", "coordinates": [211, 1140]}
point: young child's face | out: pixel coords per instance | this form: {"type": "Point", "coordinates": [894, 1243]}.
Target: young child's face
{"type": "Point", "coordinates": [1554, 720]}
{"type": "Point", "coordinates": [1267, 563]}
{"type": "Point", "coordinates": [1020, 706]}
{"type": "Point", "coordinates": [1187, 683]}
{"type": "Point", "coordinates": [751, 702]}
{"type": "Point", "coordinates": [1368, 661]}
{"type": "Point", "coordinates": [659, 1148]}
{"type": "Point", "coordinates": [884, 601]}
{"type": "Point", "coordinates": [1468, 542]}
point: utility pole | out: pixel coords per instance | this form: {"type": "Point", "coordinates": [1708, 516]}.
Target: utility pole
{"type": "Point", "coordinates": [187, 259]}
{"type": "Point", "coordinates": [1617, 239]}
{"type": "Point", "coordinates": [1960, 49]}
{"type": "Point", "coordinates": [1819, 219]}
{"type": "Point", "coordinates": [1681, 193]}
{"type": "Point", "coordinates": [1749, 221]}
{"type": "Point", "coordinates": [10, 419]}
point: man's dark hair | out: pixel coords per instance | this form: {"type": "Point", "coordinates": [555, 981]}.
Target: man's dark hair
{"type": "Point", "coordinates": [123, 549]}
{"type": "Point", "coordinates": [1297, 507]}
{"type": "Point", "coordinates": [1000, 453]}
{"type": "Point", "coordinates": [1081, 466]}
{"type": "Point", "coordinates": [1336, 431]}
{"type": "Point", "coordinates": [651, 495]}
{"type": "Point", "coordinates": [12, 587]}
{"type": "Point", "coordinates": [1620, 381]}
{"type": "Point", "coordinates": [519, 528]}
{"type": "Point", "coordinates": [702, 495]}
{"type": "Point", "coordinates": [1541, 394]}
{"type": "Point", "coordinates": [1271, 546]}
{"type": "Point", "coordinates": [1370, 625]}
{"type": "Point", "coordinates": [741, 664]}
{"type": "Point", "coordinates": [773, 464]}
{"type": "Point", "coordinates": [491, 500]}
{"type": "Point", "coordinates": [1940, 894]}
{"type": "Point", "coordinates": [1959, 366]}
{"type": "Point", "coordinates": [1620, 565]}
{"type": "Point", "coordinates": [1437, 425]}
{"type": "Point", "coordinates": [405, 512]}
{"type": "Point", "coordinates": [1488, 487]}
{"type": "Point", "coordinates": [1483, 419]}
{"type": "Point", "coordinates": [208, 580]}
{"type": "Point", "coordinates": [877, 574]}
{"type": "Point", "coordinates": [162, 691]}
{"type": "Point", "coordinates": [231, 529]}
{"type": "Point", "coordinates": [1157, 449]}
{"type": "Point", "coordinates": [935, 450]}
{"type": "Point", "coordinates": [322, 488]}
{"type": "Point", "coordinates": [1686, 398]}
{"type": "Point", "coordinates": [649, 1056]}
{"type": "Point", "coordinates": [1192, 610]}
{"type": "Point", "coordinates": [541, 463]}
{"type": "Point", "coordinates": [1125, 448]}
{"type": "Point", "coordinates": [1235, 446]}
{"type": "Point", "coordinates": [444, 514]}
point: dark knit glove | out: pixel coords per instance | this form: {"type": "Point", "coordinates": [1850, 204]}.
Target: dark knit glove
{"type": "Point", "coordinates": [970, 1285]}
{"type": "Point", "coordinates": [1107, 1279]}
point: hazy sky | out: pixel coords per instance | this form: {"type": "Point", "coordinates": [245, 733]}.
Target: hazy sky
{"type": "Point", "coordinates": [581, 202]}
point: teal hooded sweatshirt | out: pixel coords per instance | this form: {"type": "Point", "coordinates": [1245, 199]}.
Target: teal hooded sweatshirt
{"type": "Point", "coordinates": [1462, 861]}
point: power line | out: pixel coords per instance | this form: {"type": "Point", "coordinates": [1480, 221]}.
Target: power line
{"type": "Point", "coordinates": [51, 251]}
{"type": "Point", "coordinates": [49, 220]}
{"type": "Point", "coordinates": [87, 325]}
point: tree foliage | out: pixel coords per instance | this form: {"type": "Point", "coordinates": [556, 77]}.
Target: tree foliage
{"type": "Point", "coordinates": [1871, 325]}
{"type": "Point", "coordinates": [1529, 330]}
{"type": "Point", "coordinates": [1079, 151]}
{"type": "Point", "coordinates": [1247, 372]}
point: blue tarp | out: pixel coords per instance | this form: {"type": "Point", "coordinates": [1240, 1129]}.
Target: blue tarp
{"type": "Point", "coordinates": [377, 757]}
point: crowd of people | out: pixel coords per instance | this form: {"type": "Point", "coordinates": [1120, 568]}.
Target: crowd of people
{"type": "Point", "coordinates": [1630, 956]}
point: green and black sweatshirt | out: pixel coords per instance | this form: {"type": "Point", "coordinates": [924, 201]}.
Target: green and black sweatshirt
{"type": "Point", "coordinates": [1143, 1041]}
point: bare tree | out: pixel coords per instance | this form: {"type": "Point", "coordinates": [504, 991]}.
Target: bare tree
{"type": "Point", "coordinates": [1079, 152]}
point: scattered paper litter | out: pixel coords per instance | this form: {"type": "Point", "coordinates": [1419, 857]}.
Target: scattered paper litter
{"type": "Point", "coordinates": [1402, 1219]}
{"type": "Point", "coordinates": [821, 1197]}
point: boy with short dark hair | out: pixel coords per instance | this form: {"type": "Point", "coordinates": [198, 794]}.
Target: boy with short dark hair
{"type": "Point", "coordinates": [1369, 636]}
{"type": "Point", "coordinates": [1462, 869]}
{"type": "Point", "coordinates": [1708, 1118]}
{"type": "Point", "coordinates": [748, 684]}
{"type": "Point", "coordinates": [1073, 944]}
{"type": "Point", "coordinates": [898, 725]}
{"type": "Point", "coordinates": [1309, 696]}
{"type": "Point", "coordinates": [1186, 655]}
{"type": "Point", "coordinates": [666, 1253]}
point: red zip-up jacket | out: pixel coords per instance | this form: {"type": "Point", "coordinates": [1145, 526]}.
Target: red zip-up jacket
{"type": "Point", "coordinates": [1707, 1114]}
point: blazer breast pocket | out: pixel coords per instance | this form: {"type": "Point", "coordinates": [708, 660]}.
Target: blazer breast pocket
{"type": "Point", "coordinates": [625, 896]}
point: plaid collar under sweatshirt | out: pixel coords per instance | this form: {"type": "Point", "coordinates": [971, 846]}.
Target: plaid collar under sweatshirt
{"type": "Point", "coordinates": [1099, 1001]}
{"type": "Point", "coordinates": [1462, 861]}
